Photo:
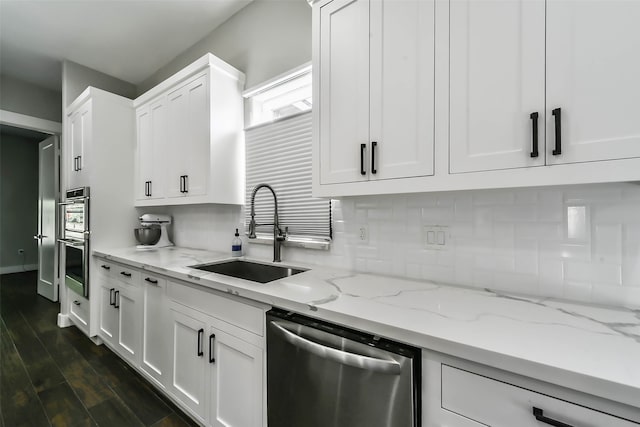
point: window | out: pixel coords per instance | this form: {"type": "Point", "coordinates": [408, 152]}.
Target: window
{"type": "Point", "coordinates": [278, 153]}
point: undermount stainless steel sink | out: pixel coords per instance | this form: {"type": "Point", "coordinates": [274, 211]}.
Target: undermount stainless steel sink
{"type": "Point", "coordinates": [256, 272]}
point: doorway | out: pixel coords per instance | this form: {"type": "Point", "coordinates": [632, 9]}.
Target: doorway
{"type": "Point", "coordinates": [29, 195]}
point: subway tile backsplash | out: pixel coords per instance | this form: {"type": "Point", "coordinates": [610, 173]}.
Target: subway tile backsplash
{"type": "Point", "coordinates": [579, 243]}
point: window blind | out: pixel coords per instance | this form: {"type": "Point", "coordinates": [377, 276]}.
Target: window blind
{"type": "Point", "coordinates": [279, 154]}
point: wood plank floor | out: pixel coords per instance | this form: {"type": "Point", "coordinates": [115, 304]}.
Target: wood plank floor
{"type": "Point", "coordinates": [58, 377]}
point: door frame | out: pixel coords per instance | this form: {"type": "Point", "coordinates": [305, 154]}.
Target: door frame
{"type": "Point", "coordinates": [47, 127]}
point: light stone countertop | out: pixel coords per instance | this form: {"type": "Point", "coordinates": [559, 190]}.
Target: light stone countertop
{"type": "Point", "coordinates": [588, 348]}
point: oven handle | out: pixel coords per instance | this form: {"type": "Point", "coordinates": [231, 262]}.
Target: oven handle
{"type": "Point", "coordinates": [73, 243]}
{"type": "Point", "coordinates": [339, 356]}
{"type": "Point", "coordinates": [74, 202]}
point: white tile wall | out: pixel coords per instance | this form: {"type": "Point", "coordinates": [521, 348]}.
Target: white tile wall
{"type": "Point", "coordinates": [577, 242]}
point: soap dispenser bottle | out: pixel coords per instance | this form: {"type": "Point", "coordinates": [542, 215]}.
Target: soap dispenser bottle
{"type": "Point", "coordinates": [236, 245]}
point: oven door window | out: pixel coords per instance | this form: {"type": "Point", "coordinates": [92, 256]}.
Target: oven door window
{"type": "Point", "coordinates": [74, 218]}
{"type": "Point", "coordinates": [74, 260]}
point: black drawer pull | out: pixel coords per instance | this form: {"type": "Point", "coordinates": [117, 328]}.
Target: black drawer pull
{"type": "Point", "coordinates": [363, 147]}
{"type": "Point", "coordinates": [212, 339]}
{"type": "Point", "coordinates": [79, 163]}
{"type": "Point", "coordinates": [76, 302]}
{"type": "Point", "coordinates": [534, 143]}
{"type": "Point", "coordinates": [150, 280]}
{"type": "Point", "coordinates": [539, 414]}
{"type": "Point", "coordinates": [558, 119]}
{"type": "Point", "coordinates": [116, 299]}
{"type": "Point", "coordinates": [124, 273]}
{"type": "Point", "coordinates": [112, 297]}
{"type": "Point", "coordinates": [106, 267]}
{"type": "Point", "coordinates": [200, 336]}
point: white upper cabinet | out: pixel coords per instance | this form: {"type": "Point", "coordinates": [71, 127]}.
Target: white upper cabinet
{"type": "Point", "coordinates": [375, 90]}
{"type": "Point", "coordinates": [497, 84]}
{"type": "Point", "coordinates": [151, 135]}
{"type": "Point", "coordinates": [79, 145]}
{"type": "Point", "coordinates": [593, 64]}
{"type": "Point", "coordinates": [190, 137]}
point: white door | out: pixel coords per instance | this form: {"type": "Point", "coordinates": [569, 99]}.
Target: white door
{"type": "Point", "coordinates": [188, 363]}
{"type": "Point", "coordinates": [497, 57]}
{"type": "Point", "coordinates": [156, 348]}
{"type": "Point", "coordinates": [593, 64]}
{"type": "Point", "coordinates": [151, 136]}
{"type": "Point", "coordinates": [46, 237]}
{"type": "Point", "coordinates": [236, 381]}
{"type": "Point", "coordinates": [344, 91]}
{"type": "Point", "coordinates": [128, 323]}
{"type": "Point", "coordinates": [402, 89]}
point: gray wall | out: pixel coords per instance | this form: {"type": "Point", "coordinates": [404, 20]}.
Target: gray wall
{"type": "Point", "coordinates": [18, 199]}
{"type": "Point", "coordinates": [25, 98]}
{"type": "Point", "coordinates": [264, 39]}
{"type": "Point", "coordinates": [76, 78]}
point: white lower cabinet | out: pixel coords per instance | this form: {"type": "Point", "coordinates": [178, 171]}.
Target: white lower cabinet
{"type": "Point", "coordinates": [119, 317]}
{"type": "Point", "coordinates": [215, 374]}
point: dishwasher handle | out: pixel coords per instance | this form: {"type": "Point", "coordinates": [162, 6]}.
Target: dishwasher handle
{"type": "Point", "coordinates": [345, 358]}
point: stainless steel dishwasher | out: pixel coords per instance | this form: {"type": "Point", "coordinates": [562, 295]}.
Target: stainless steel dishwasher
{"type": "Point", "coordinates": [323, 375]}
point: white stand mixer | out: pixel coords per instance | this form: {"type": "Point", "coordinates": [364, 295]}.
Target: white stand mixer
{"type": "Point", "coordinates": [148, 220]}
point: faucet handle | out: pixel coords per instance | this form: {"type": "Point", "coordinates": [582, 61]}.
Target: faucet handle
{"type": "Point", "coordinates": [286, 232]}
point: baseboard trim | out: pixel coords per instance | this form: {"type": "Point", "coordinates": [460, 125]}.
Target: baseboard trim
{"type": "Point", "coordinates": [64, 321]}
{"type": "Point", "coordinates": [18, 268]}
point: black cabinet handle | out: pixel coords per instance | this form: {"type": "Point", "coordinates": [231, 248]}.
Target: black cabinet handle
{"type": "Point", "coordinates": [76, 302]}
{"type": "Point", "coordinates": [183, 184]}
{"type": "Point", "coordinates": [186, 183]}
{"type": "Point", "coordinates": [534, 143]}
{"type": "Point", "coordinates": [75, 164]}
{"type": "Point", "coordinates": [116, 300]}
{"type": "Point", "coordinates": [539, 414]}
{"type": "Point", "coordinates": [112, 297]}
{"type": "Point", "coordinates": [150, 280]}
{"type": "Point", "coordinates": [146, 188]}
{"type": "Point", "coordinates": [124, 273]}
{"type": "Point", "coordinates": [374, 144]}
{"type": "Point", "coordinates": [200, 335]}
{"type": "Point", "coordinates": [558, 119]}
{"type": "Point", "coordinates": [212, 338]}
{"type": "Point", "coordinates": [363, 148]}
{"type": "Point", "coordinates": [79, 163]}
{"type": "Point", "coordinates": [149, 189]}
{"type": "Point", "coordinates": [106, 267]}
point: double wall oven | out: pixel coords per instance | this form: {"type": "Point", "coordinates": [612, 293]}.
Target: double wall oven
{"type": "Point", "coordinates": [75, 237]}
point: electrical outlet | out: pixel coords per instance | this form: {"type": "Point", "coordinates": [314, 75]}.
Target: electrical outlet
{"type": "Point", "coordinates": [436, 237]}
{"type": "Point", "coordinates": [20, 251]}
{"type": "Point", "coordinates": [363, 233]}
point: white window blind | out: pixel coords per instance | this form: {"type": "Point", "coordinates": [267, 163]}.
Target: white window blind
{"type": "Point", "coordinates": [279, 154]}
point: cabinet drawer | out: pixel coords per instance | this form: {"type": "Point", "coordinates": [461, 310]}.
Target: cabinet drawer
{"type": "Point", "coordinates": [79, 311]}
{"type": "Point", "coordinates": [495, 403]}
{"type": "Point", "coordinates": [104, 268]}
{"type": "Point", "coordinates": [241, 314]}
{"type": "Point", "coordinates": [125, 275]}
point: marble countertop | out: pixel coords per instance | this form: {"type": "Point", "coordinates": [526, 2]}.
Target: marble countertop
{"type": "Point", "coordinates": [588, 348]}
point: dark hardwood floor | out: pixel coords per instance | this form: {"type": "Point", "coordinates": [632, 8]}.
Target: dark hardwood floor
{"type": "Point", "coordinates": [58, 377]}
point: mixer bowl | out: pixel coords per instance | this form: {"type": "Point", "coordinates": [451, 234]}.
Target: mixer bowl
{"type": "Point", "coordinates": [147, 235]}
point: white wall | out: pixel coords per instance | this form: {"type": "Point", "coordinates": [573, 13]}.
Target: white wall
{"type": "Point", "coordinates": [18, 201]}
{"type": "Point", "coordinates": [25, 98]}
{"type": "Point", "coordinates": [263, 40]}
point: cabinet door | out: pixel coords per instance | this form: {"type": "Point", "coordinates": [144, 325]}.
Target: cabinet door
{"type": "Point", "coordinates": [593, 64]}
{"type": "Point", "coordinates": [155, 337]}
{"type": "Point", "coordinates": [151, 135]}
{"type": "Point", "coordinates": [497, 80]}
{"type": "Point", "coordinates": [344, 91]}
{"type": "Point", "coordinates": [108, 312]}
{"type": "Point", "coordinates": [236, 381]}
{"type": "Point", "coordinates": [402, 89]}
{"type": "Point", "coordinates": [188, 122]}
{"type": "Point", "coordinates": [128, 324]}
{"type": "Point", "coordinates": [188, 362]}
{"type": "Point", "coordinates": [79, 152]}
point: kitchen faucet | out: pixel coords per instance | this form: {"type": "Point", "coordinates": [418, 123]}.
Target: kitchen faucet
{"type": "Point", "coordinates": [278, 235]}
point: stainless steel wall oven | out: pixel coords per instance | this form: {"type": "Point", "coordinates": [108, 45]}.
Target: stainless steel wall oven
{"type": "Point", "coordinates": [76, 237]}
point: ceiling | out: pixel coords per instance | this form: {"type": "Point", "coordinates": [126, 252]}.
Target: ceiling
{"type": "Point", "coordinates": [127, 39]}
